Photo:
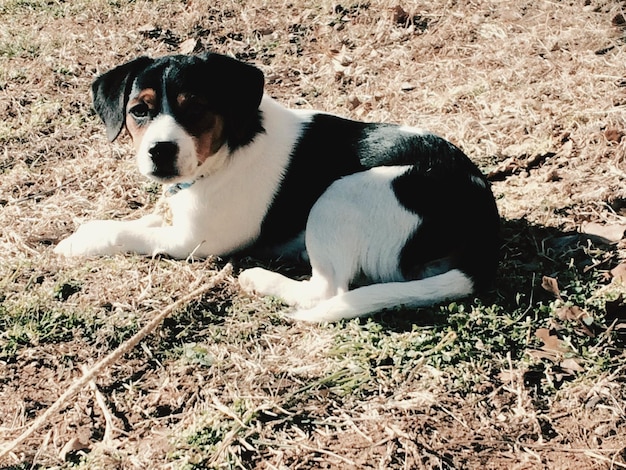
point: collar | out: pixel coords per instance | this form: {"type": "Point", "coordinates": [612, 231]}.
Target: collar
{"type": "Point", "coordinates": [178, 187]}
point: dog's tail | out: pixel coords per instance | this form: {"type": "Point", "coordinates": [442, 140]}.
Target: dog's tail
{"type": "Point", "coordinates": [450, 285]}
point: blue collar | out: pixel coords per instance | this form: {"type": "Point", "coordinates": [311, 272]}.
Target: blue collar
{"type": "Point", "coordinates": [178, 187]}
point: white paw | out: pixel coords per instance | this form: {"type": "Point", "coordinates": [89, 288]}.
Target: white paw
{"type": "Point", "coordinates": [323, 312]}
{"type": "Point", "coordinates": [150, 220]}
{"type": "Point", "coordinates": [255, 280]}
{"type": "Point", "coordinates": [98, 237]}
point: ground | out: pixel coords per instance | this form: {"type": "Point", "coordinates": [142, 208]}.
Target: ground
{"type": "Point", "coordinates": [528, 375]}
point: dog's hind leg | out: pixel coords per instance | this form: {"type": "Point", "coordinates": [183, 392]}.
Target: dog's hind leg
{"type": "Point", "coordinates": [302, 294]}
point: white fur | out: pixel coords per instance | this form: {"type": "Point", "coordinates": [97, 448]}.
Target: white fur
{"type": "Point", "coordinates": [220, 212]}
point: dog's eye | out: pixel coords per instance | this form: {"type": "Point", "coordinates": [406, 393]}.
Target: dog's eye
{"type": "Point", "coordinates": [140, 110]}
{"type": "Point", "coordinates": [194, 109]}
{"type": "Point", "coordinates": [193, 106]}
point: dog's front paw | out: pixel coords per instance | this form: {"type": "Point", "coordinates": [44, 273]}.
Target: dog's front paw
{"type": "Point", "coordinates": [98, 237]}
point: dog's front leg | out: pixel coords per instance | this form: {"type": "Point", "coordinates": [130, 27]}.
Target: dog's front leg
{"type": "Point", "coordinates": [108, 237]}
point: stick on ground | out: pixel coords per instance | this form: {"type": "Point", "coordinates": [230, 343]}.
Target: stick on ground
{"type": "Point", "coordinates": [109, 360]}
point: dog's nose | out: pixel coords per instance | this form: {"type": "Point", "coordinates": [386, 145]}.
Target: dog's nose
{"type": "Point", "coordinates": [163, 154]}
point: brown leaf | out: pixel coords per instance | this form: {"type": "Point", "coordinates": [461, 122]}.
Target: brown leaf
{"type": "Point", "coordinates": [571, 365]}
{"type": "Point", "coordinates": [551, 285]}
{"type": "Point", "coordinates": [613, 135]}
{"type": "Point", "coordinates": [537, 159]}
{"type": "Point", "coordinates": [400, 16]}
{"type": "Point", "coordinates": [147, 28]}
{"type": "Point", "coordinates": [551, 342]}
{"type": "Point", "coordinates": [506, 168]}
{"type": "Point", "coordinates": [574, 313]}
{"type": "Point", "coordinates": [619, 273]}
{"type": "Point", "coordinates": [539, 354]}
{"type": "Point", "coordinates": [569, 312]}
{"type": "Point", "coordinates": [190, 46]}
{"type": "Point", "coordinates": [353, 102]}
{"type": "Point", "coordinates": [609, 233]}
{"type": "Point", "coordinates": [510, 375]}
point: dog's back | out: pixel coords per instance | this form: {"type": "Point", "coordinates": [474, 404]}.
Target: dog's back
{"type": "Point", "coordinates": [399, 208]}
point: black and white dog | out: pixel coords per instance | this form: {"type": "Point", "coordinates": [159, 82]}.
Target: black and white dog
{"type": "Point", "coordinates": [388, 215]}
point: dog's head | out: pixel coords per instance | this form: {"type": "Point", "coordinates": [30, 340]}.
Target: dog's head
{"type": "Point", "coordinates": [180, 110]}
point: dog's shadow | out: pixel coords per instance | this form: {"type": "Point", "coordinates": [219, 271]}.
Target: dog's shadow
{"type": "Point", "coordinates": [529, 253]}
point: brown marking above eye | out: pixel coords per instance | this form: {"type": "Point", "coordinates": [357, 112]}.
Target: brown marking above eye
{"type": "Point", "coordinates": [143, 104]}
{"type": "Point", "coordinates": [145, 101]}
{"type": "Point", "coordinates": [189, 99]}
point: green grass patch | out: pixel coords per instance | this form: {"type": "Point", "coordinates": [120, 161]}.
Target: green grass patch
{"type": "Point", "coordinates": [32, 325]}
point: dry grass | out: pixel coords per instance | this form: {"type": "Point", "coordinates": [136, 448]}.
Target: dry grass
{"type": "Point", "coordinates": [534, 91]}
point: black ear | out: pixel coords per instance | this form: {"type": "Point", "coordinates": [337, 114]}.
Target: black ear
{"type": "Point", "coordinates": [239, 85]}
{"type": "Point", "coordinates": [110, 94]}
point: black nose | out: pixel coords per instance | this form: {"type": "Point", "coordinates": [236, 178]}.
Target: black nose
{"type": "Point", "coordinates": [164, 156]}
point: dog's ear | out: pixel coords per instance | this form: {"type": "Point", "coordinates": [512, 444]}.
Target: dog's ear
{"type": "Point", "coordinates": [239, 85]}
{"type": "Point", "coordinates": [110, 94]}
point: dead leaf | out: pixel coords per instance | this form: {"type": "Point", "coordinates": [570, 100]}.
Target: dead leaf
{"type": "Point", "coordinates": [569, 312]}
{"type": "Point", "coordinates": [523, 157]}
{"type": "Point", "coordinates": [609, 233]}
{"type": "Point", "coordinates": [539, 354]}
{"type": "Point", "coordinates": [73, 445]}
{"type": "Point", "coordinates": [190, 46]}
{"type": "Point", "coordinates": [551, 342]}
{"type": "Point", "coordinates": [150, 31]}
{"type": "Point", "coordinates": [506, 168]}
{"type": "Point", "coordinates": [147, 28]}
{"type": "Point", "coordinates": [574, 313]}
{"type": "Point", "coordinates": [400, 16]}
{"type": "Point", "coordinates": [537, 159]}
{"type": "Point", "coordinates": [354, 102]}
{"type": "Point", "coordinates": [619, 273]}
{"type": "Point", "coordinates": [551, 285]}
{"type": "Point", "coordinates": [571, 365]}
{"type": "Point", "coordinates": [613, 135]}
{"type": "Point", "coordinates": [510, 375]}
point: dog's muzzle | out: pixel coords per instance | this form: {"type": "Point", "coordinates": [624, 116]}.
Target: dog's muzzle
{"type": "Point", "coordinates": [164, 156]}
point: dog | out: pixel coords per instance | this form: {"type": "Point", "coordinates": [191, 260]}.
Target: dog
{"type": "Point", "coordinates": [387, 215]}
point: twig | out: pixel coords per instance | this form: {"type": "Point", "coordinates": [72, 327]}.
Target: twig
{"type": "Point", "coordinates": [114, 356]}
{"type": "Point", "coordinates": [329, 453]}
{"type": "Point", "coordinates": [108, 417]}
